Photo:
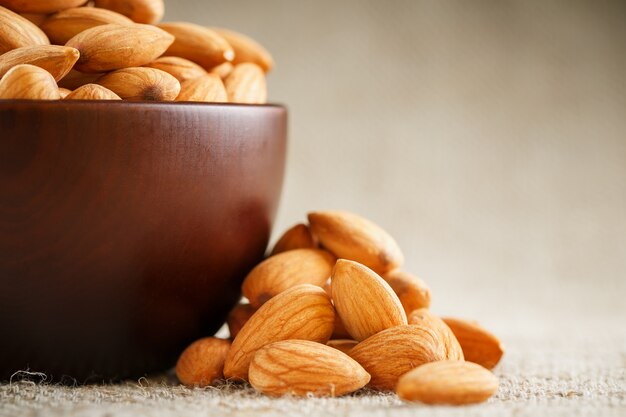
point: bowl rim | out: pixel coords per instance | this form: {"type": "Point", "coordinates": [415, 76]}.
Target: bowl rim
{"type": "Point", "coordinates": [140, 103]}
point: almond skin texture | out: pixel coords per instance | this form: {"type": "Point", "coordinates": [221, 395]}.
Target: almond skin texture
{"type": "Point", "coordinates": [202, 362]}
{"type": "Point", "coordinates": [30, 83]}
{"type": "Point", "coordinates": [247, 49]}
{"type": "Point", "coordinates": [297, 237]}
{"type": "Point", "coordinates": [364, 301]}
{"type": "Point", "coordinates": [425, 318]}
{"type": "Point", "coordinates": [299, 367]}
{"type": "Point", "coordinates": [393, 352]}
{"type": "Point", "coordinates": [141, 84]}
{"type": "Point", "coordinates": [16, 32]}
{"type": "Point", "coordinates": [75, 79]}
{"type": "Point", "coordinates": [181, 68]}
{"type": "Point", "coordinates": [40, 6]}
{"type": "Point", "coordinates": [208, 88]}
{"type": "Point", "coordinates": [479, 345]}
{"type": "Point", "coordinates": [448, 383]}
{"type": "Point", "coordinates": [246, 84]}
{"type": "Point", "coordinates": [353, 237]}
{"type": "Point", "coordinates": [198, 44]}
{"type": "Point", "coordinates": [57, 60]}
{"type": "Point", "coordinates": [63, 26]}
{"type": "Point", "coordinates": [237, 317]}
{"type": "Point", "coordinates": [344, 345]}
{"type": "Point", "coordinates": [140, 11]}
{"type": "Point", "coordinates": [303, 312]}
{"type": "Point", "coordinates": [285, 270]}
{"type": "Point", "coordinates": [92, 92]}
{"type": "Point", "coordinates": [110, 47]}
{"type": "Point", "coordinates": [412, 291]}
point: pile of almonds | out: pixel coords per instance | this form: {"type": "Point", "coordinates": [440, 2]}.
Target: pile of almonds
{"type": "Point", "coordinates": [329, 313]}
{"type": "Point", "coordinates": [117, 49]}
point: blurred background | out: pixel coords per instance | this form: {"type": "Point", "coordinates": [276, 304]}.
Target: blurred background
{"type": "Point", "coordinates": [488, 137]}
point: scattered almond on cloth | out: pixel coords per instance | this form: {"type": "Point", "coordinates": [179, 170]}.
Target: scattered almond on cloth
{"type": "Point", "coordinates": [330, 312]}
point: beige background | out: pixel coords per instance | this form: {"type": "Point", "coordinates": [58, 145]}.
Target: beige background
{"type": "Point", "coordinates": [489, 137]}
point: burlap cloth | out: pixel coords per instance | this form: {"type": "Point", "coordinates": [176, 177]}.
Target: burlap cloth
{"type": "Point", "coordinates": [566, 369]}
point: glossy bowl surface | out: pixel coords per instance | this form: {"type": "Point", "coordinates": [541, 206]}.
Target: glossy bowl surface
{"type": "Point", "coordinates": [127, 228]}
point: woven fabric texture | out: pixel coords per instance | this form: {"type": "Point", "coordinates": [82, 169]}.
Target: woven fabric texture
{"type": "Point", "coordinates": [568, 375]}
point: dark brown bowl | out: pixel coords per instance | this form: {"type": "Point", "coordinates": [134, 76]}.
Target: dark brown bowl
{"type": "Point", "coordinates": [127, 228]}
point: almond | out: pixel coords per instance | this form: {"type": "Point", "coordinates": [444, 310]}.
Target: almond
{"type": "Point", "coordinates": [302, 312]}
{"type": "Point", "coordinates": [75, 79]}
{"type": "Point", "coordinates": [16, 32]}
{"type": "Point", "coordinates": [364, 301]}
{"type": "Point", "coordinates": [198, 44]}
{"type": "Point", "coordinates": [202, 363]}
{"type": "Point", "coordinates": [425, 318]}
{"type": "Point", "coordinates": [181, 68]}
{"type": "Point", "coordinates": [92, 92]}
{"type": "Point", "coordinates": [344, 345]}
{"type": "Point", "coordinates": [297, 237]}
{"type": "Point", "coordinates": [140, 11]}
{"type": "Point", "coordinates": [57, 60]}
{"type": "Point", "coordinates": [64, 92]}
{"type": "Point", "coordinates": [41, 6]}
{"type": "Point", "coordinates": [285, 270]}
{"type": "Point", "coordinates": [339, 330]}
{"type": "Point", "coordinates": [478, 344]}
{"type": "Point", "coordinates": [246, 84]}
{"type": "Point", "coordinates": [28, 82]}
{"type": "Point", "coordinates": [300, 367]}
{"type": "Point", "coordinates": [237, 317]}
{"type": "Point", "coordinates": [353, 237]}
{"type": "Point", "coordinates": [247, 49]}
{"type": "Point", "coordinates": [412, 291]}
{"type": "Point", "coordinates": [207, 88]}
{"type": "Point", "coordinates": [393, 352]}
{"type": "Point", "coordinates": [63, 26]}
{"type": "Point", "coordinates": [448, 382]}
{"type": "Point", "coordinates": [223, 70]}
{"type": "Point", "coordinates": [140, 83]}
{"type": "Point", "coordinates": [35, 18]}
{"type": "Point", "coordinates": [110, 47]}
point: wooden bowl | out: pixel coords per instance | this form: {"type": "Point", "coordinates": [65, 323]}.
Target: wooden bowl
{"type": "Point", "coordinates": [127, 228]}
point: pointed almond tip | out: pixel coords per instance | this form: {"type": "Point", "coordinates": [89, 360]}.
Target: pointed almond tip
{"type": "Point", "coordinates": [342, 264]}
{"type": "Point", "coordinates": [72, 51]}
{"type": "Point", "coordinates": [312, 216]}
{"type": "Point", "coordinates": [342, 261]}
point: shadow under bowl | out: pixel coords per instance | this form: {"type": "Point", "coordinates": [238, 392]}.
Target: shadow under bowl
{"type": "Point", "coordinates": [127, 228]}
